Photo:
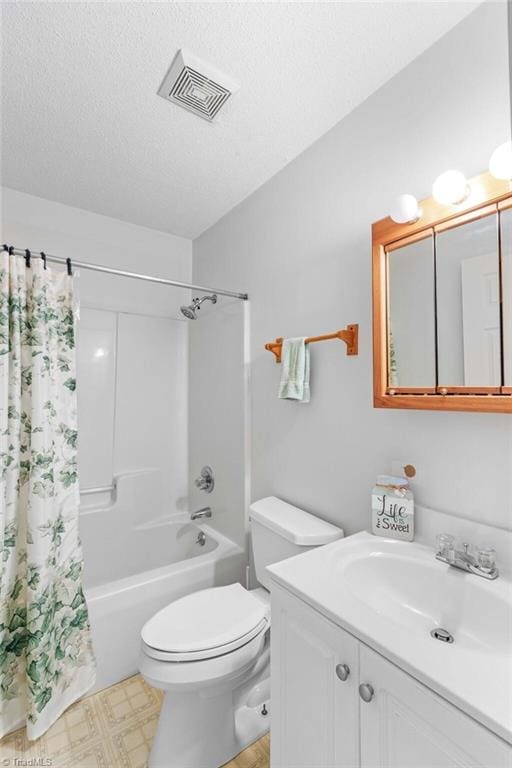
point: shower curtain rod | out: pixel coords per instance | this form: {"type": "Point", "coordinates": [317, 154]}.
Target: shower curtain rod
{"type": "Point", "coordinates": [134, 275]}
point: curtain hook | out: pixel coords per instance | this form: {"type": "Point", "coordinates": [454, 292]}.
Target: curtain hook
{"type": "Point", "coordinates": [5, 247]}
{"type": "Point", "coordinates": [43, 256]}
{"type": "Point", "coordinates": [27, 257]}
{"type": "Point", "coordinates": [70, 269]}
{"type": "Point", "coordinates": [11, 250]}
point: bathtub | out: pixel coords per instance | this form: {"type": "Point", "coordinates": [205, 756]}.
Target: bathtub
{"type": "Point", "coordinates": [133, 570]}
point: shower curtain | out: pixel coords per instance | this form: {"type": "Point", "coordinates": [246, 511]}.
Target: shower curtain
{"type": "Point", "coordinates": [46, 656]}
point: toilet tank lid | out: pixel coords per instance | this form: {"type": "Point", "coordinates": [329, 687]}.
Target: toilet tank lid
{"type": "Point", "coordinates": [292, 523]}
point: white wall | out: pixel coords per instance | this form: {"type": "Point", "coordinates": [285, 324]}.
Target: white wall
{"type": "Point", "coordinates": [301, 247]}
{"type": "Point", "coordinates": [132, 348]}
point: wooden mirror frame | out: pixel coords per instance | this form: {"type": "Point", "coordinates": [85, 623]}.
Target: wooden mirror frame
{"type": "Point", "coordinates": [487, 195]}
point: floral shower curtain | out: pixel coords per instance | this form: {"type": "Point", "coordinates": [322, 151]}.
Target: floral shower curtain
{"type": "Point", "coordinates": [46, 657]}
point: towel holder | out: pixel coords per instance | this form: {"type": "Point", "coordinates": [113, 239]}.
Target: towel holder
{"type": "Point", "coordinates": [349, 335]}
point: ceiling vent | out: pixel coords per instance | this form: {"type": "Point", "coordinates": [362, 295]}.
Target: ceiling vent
{"type": "Point", "coordinates": [196, 85]}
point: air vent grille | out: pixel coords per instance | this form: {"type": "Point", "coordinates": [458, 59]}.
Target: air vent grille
{"type": "Point", "coordinates": [198, 93]}
{"type": "Point", "coordinates": [196, 86]}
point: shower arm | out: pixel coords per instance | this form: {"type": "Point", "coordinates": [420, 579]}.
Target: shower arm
{"type": "Point", "coordinates": [212, 298]}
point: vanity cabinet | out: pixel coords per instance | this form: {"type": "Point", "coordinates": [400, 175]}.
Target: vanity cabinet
{"type": "Point", "coordinates": [406, 725]}
{"type": "Point", "coordinates": [314, 711]}
{"type": "Point", "coordinates": [338, 704]}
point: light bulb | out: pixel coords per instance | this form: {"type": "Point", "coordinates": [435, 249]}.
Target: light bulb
{"type": "Point", "coordinates": [450, 188]}
{"type": "Point", "coordinates": [500, 164]}
{"type": "Point", "coordinates": [405, 209]}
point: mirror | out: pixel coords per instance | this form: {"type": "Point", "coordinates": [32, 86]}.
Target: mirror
{"type": "Point", "coordinates": [506, 272]}
{"type": "Point", "coordinates": [468, 304]}
{"type": "Point", "coordinates": [411, 315]}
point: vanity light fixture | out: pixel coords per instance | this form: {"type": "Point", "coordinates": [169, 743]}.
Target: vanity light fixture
{"type": "Point", "coordinates": [405, 209]}
{"type": "Point", "coordinates": [450, 188]}
{"type": "Point", "coordinates": [500, 164]}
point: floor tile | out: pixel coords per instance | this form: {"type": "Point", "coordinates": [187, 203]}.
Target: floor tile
{"type": "Point", "coordinates": [111, 729]}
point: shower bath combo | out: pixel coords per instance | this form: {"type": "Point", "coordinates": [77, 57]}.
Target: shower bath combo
{"type": "Point", "coordinates": [182, 552]}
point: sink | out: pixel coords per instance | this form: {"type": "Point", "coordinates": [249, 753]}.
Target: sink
{"type": "Point", "coordinates": [393, 594]}
{"type": "Point", "coordinates": [422, 595]}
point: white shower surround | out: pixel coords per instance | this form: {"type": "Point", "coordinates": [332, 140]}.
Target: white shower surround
{"type": "Point", "coordinates": [134, 569]}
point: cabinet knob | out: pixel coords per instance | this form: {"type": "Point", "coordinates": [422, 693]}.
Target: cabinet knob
{"type": "Point", "coordinates": [366, 692]}
{"type": "Point", "coordinates": [343, 671]}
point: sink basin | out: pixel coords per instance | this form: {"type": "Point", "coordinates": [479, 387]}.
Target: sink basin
{"type": "Point", "coordinates": [423, 595]}
{"type": "Point", "coordinates": [392, 594]}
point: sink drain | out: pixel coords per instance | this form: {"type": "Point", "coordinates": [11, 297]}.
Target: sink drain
{"type": "Point", "coordinates": [442, 634]}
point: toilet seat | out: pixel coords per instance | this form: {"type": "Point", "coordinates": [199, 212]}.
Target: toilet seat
{"type": "Point", "coordinates": [202, 674]}
{"type": "Point", "coordinates": [208, 653]}
{"type": "Point", "coordinates": [205, 624]}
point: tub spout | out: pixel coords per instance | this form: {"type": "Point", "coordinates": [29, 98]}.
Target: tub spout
{"type": "Point", "coordinates": [204, 512]}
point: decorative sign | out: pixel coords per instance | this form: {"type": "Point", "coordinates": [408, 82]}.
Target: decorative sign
{"type": "Point", "coordinates": [393, 515]}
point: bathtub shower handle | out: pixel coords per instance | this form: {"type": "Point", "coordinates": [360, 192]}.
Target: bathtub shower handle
{"type": "Point", "coordinates": [205, 482]}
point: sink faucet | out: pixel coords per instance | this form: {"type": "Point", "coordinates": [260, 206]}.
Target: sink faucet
{"type": "Point", "coordinates": [204, 512]}
{"type": "Point", "coordinates": [483, 564]}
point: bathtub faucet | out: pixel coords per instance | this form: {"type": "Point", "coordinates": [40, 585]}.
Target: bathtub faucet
{"type": "Point", "coordinates": [204, 512]}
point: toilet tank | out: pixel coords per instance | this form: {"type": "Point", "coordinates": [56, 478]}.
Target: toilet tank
{"type": "Point", "coordinates": [279, 530]}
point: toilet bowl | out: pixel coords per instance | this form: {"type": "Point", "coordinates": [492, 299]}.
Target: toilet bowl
{"type": "Point", "coordinates": [210, 651]}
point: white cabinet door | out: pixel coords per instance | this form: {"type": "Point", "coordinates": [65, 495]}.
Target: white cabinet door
{"type": "Point", "coordinates": [314, 712]}
{"type": "Point", "coordinates": [406, 725]}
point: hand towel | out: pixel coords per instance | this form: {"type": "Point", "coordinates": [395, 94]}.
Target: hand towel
{"type": "Point", "coordinates": [294, 384]}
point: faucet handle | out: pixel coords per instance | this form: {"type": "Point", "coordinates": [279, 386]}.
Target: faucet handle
{"type": "Point", "coordinates": [486, 557]}
{"type": "Point", "coordinates": [205, 482]}
{"type": "Point", "coordinates": [445, 544]}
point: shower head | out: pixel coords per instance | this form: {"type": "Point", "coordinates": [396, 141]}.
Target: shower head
{"type": "Point", "coordinates": [189, 310]}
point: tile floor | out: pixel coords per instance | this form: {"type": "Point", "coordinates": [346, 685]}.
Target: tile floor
{"type": "Point", "coordinates": [111, 729]}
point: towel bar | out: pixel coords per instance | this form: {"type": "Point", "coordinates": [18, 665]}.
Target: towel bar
{"type": "Point", "coordinates": [349, 335]}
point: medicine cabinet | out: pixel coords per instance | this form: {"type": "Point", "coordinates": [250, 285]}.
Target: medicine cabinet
{"type": "Point", "coordinates": [442, 304]}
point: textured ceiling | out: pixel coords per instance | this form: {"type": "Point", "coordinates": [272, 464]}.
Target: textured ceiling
{"type": "Point", "coordinates": [82, 123]}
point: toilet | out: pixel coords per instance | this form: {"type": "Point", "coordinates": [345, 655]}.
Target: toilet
{"type": "Point", "coordinates": [210, 650]}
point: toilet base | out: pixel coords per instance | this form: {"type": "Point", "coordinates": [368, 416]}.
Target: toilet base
{"type": "Point", "coordinates": [205, 731]}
